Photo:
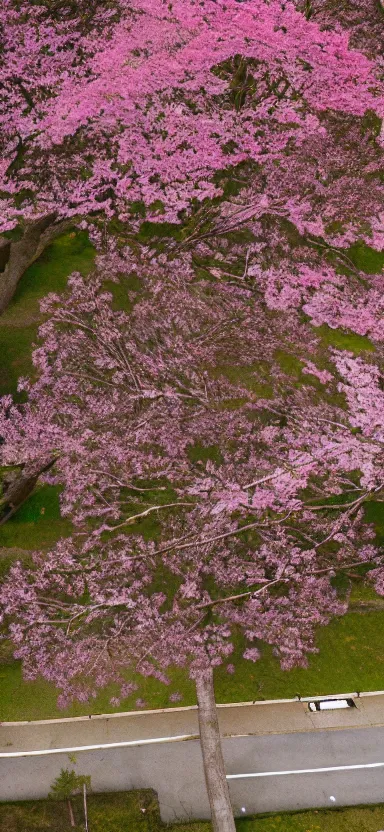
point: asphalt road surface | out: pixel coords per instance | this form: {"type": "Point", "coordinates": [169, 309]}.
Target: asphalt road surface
{"type": "Point", "coordinates": [174, 770]}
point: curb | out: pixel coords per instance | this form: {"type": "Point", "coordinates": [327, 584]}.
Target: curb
{"type": "Point", "coordinates": [353, 695]}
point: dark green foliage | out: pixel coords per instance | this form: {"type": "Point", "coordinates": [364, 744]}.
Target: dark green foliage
{"type": "Point", "coordinates": [67, 784]}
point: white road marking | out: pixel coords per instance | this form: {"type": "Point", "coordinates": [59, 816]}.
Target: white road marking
{"type": "Point", "coordinates": [97, 747]}
{"type": "Point", "coordinates": [304, 771]}
{"type": "Point", "coordinates": [178, 738]}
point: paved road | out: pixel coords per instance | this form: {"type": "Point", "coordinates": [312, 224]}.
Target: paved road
{"type": "Point", "coordinates": [174, 770]}
{"type": "Point", "coordinates": [290, 752]}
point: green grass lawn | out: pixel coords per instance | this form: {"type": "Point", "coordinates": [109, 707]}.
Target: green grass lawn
{"type": "Point", "coordinates": [361, 819]}
{"type": "Point", "coordinates": [38, 523]}
{"type": "Point", "coordinates": [122, 812]}
{"type": "Point", "coordinates": [350, 658]}
{"type": "Point", "coordinates": [19, 323]}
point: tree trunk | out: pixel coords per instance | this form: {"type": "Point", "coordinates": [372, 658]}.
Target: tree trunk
{"type": "Point", "coordinates": [17, 491]}
{"type": "Point", "coordinates": [85, 807]}
{"type": "Point", "coordinates": [214, 769]}
{"type": "Point", "coordinates": [71, 815]}
{"type": "Point", "coordinates": [17, 255]}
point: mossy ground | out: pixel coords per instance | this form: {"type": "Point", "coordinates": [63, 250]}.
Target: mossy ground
{"type": "Point", "coordinates": [122, 811]}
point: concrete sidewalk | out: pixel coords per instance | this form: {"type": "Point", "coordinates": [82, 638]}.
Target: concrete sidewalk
{"type": "Point", "coordinates": [244, 719]}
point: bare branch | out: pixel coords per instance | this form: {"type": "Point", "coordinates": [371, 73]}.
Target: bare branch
{"type": "Point", "coordinates": [241, 594]}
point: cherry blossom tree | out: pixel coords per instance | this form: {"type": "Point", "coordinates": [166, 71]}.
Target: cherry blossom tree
{"type": "Point", "coordinates": [251, 533]}
{"type": "Point", "coordinates": [363, 20]}
{"type": "Point", "coordinates": [205, 119]}
{"type": "Point", "coordinates": [112, 110]}
{"type": "Point", "coordinates": [41, 44]}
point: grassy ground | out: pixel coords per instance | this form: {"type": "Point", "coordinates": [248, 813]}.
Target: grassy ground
{"type": "Point", "coordinates": [38, 523]}
{"type": "Point", "coordinates": [123, 811]}
{"type": "Point", "coordinates": [341, 820]}
{"type": "Point", "coordinates": [19, 323]}
{"type": "Point", "coordinates": [350, 658]}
